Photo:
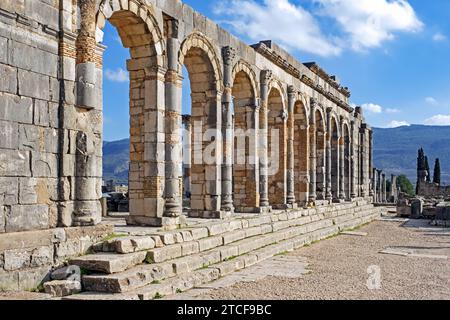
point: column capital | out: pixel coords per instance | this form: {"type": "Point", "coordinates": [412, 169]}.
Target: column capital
{"type": "Point", "coordinates": [291, 90]}
{"type": "Point", "coordinates": [228, 55]}
{"type": "Point", "coordinates": [266, 76]}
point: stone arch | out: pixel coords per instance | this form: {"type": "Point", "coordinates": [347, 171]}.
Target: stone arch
{"type": "Point", "coordinates": [242, 66]}
{"type": "Point", "coordinates": [140, 33]}
{"type": "Point", "coordinates": [137, 15]}
{"type": "Point", "coordinates": [320, 152]}
{"type": "Point", "coordinates": [277, 139]}
{"type": "Point", "coordinates": [197, 54]}
{"type": "Point", "coordinates": [245, 188]}
{"type": "Point", "coordinates": [301, 151]}
{"type": "Point", "coordinates": [334, 136]}
{"type": "Point", "coordinates": [199, 42]}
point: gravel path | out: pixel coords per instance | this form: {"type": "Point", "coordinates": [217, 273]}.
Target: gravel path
{"type": "Point", "coordinates": [338, 268]}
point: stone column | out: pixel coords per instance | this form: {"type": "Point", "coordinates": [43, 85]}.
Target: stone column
{"type": "Point", "coordinates": [312, 153]}
{"type": "Point", "coordinates": [87, 207]}
{"type": "Point", "coordinates": [173, 122]}
{"type": "Point", "coordinates": [362, 150]}
{"type": "Point", "coordinates": [353, 161]}
{"type": "Point", "coordinates": [328, 137]}
{"type": "Point", "coordinates": [380, 187]}
{"type": "Point", "coordinates": [374, 185]}
{"type": "Point", "coordinates": [383, 179]}
{"type": "Point", "coordinates": [371, 192]}
{"type": "Point", "coordinates": [393, 195]}
{"type": "Point", "coordinates": [341, 147]}
{"type": "Point", "coordinates": [187, 155]}
{"type": "Point", "coordinates": [266, 75]}
{"type": "Point", "coordinates": [290, 197]}
{"type": "Point", "coordinates": [228, 55]}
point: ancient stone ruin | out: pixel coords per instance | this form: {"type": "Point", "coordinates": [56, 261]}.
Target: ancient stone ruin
{"type": "Point", "coordinates": [432, 200]}
{"type": "Point", "coordinates": [307, 170]}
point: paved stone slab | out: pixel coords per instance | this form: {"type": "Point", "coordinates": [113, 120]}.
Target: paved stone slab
{"type": "Point", "coordinates": [62, 288]}
{"type": "Point", "coordinates": [354, 233]}
{"type": "Point", "coordinates": [108, 262]}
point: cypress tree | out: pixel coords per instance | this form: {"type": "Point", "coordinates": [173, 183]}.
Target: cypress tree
{"type": "Point", "coordinates": [427, 169]}
{"type": "Point", "coordinates": [437, 172]}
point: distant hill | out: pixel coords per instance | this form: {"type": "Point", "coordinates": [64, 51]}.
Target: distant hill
{"type": "Point", "coordinates": [116, 158]}
{"type": "Point", "coordinates": [395, 151]}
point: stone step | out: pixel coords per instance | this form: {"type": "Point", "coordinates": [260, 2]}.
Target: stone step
{"type": "Point", "coordinates": [109, 262]}
{"type": "Point", "coordinates": [141, 275]}
{"type": "Point", "coordinates": [112, 263]}
{"type": "Point", "coordinates": [188, 280]}
{"type": "Point", "coordinates": [137, 243]}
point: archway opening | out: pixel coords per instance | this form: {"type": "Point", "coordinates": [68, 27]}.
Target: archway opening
{"type": "Point", "coordinates": [320, 156]}
{"type": "Point", "coordinates": [201, 179]}
{"type": "Point", "coordinates": [347, 162]}
{"type": "Point", "coordinates": [301, 153]}
{"type": "Point", "coordinates": [334, 136]}
{"type": "Point", "coordinates": [129, 52]}
{"type": "Point", "coordinates": [277, 132]}
{"type": "Point", "coordinates": [245, 194]}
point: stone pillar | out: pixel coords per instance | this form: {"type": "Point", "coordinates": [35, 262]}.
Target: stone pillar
{"type": "Point", "coordinates": [290, 197]}
{"type": "Point", "coordinates": [328, 137]}
{"type": "Point", "coordinates": [87, 207]}
{"type": "Point", "coordinates": [374, 185]}
{"type": "Point", "coordinates": [362, 150]}
{"type": "Point", "coordinates": [187, 156]}
{"type": "Point", "coordinates": [266, 76]}
{"type": "Point", "coordinates": [394, 190]}
{"type": "Point", "coordinates": [312, 153]}
{"type": "Point", "coordinates": [383, 179]}
{"type": "Point", "coordinates": [341, 147]}
{"type": "Point", "coordinates": [380, 187]}
{"type": "Point", "coordinates": [228, 55]}
{"type": "Point", "coordinates": [371, 172]}
{"type": "Point", "coordinates": [173, 123]}
{"type": "Point", "coordinates": [353, 160]}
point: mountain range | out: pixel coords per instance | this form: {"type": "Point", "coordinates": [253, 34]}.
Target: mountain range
{"type": "Point", "coordinates": [395, 151]}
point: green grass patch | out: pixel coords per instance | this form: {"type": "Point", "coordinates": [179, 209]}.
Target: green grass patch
{"type": "Point", "coordinates": [112, 236]}
{"type": "Point", "coordinates": [155, 282]}
{"type": "Point", "coordinates": [158, 296]}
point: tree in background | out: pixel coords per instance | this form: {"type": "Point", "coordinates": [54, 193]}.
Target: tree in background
{"type": "Point", "coordinates": [437, 172]}
{"type": "Point", "coordinates": [405, 185]}
{"type": "Point", "coordinates": [427, 169]}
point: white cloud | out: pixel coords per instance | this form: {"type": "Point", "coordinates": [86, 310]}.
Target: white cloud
{"type": "Point", "coordinates": [396, 124]}
{"type": "Point", "coordinates": [392, 110]}
{"type": "Point", "coordinates": [371, 107]}
{"type": "Point", "coordinates": [118, 75]}
{"type": "Point", "coordinates": [362, 24]}
{"type": "Point", "coordinates": [438, 120]}
{"type": "Point", "coordinates": [431, 100]}
{"type": "Point", "coordinates": [289, 25]}
{"type": "Point", "coordinates": [439, 37]}
{"type": "Point", "coordinates": [368, 23]}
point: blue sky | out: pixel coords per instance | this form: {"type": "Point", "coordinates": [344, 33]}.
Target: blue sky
{"type": "Point", "coordinates": [392, 54]}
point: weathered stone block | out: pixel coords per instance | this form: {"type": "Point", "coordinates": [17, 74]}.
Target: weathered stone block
{"type": "Point", "coordinates": [30, 279]}
{"type": "Point", "coordinates": [14, 163]}
{"type": "Point", "coordinates": [45, 165]}
{"type": "Point", "coordinates": [42, 256]}
{"type": "Point", "coordinates": [8, 191]}
{"type": "Point", "coordinates": [3, 50]}
{"type": "Point", "coordinates": [9, 137]}
{"type": "Point", "coordinates": [27, 217]}
{"type": "Point", "coordinates": [15, 108]}
{"type": "Point", "coordinates": [8, 80]}
{"type": "Point", "coordinates": [33, 85]}
{"type": "Point", "coordinates": [62, 288]}
{"type": "Point", "coordinates": [33, 59]}
{"type": "Point", "coordinates": [17, 259]}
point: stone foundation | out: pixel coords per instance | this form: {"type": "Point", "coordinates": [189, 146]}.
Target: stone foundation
{"type": "Point", "coordinates": [26, 258]}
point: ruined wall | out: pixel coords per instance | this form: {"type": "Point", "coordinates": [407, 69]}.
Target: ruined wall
{"type": "Point", "coordinates": [29, 121]}
{"type": "Point", "coordinates": [51, 115]}
{"type": "Point", "coordinates": [429, 189]}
